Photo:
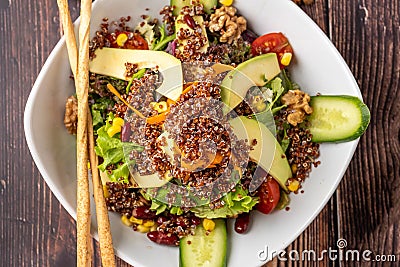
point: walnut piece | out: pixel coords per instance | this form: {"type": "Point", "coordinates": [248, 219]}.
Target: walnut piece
{"type": "Point", "coordinates": [297, 102]}
{"type": "Point", "coordinates": [71, 114]}
{"type": "Point", "coordinates": [225, 22]}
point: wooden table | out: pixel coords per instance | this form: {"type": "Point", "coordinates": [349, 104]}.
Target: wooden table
{"type": "Point", "coordinates": [35, 230]}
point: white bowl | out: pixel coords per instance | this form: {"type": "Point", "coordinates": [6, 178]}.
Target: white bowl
{"type": "Point", "coordinates": [318, 67]}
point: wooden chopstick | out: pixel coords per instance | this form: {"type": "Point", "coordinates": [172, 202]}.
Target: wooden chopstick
{"type": "Point", "coordinates": [82, 83]}
{"type": "Point", "coordinates": [69, 34]}
{"type": "Point", "coordinates": [83, 208]}
{"type": "Point", "coordinates": [83, 197]}
{"type": "Point", "coordinates": [103, 222]}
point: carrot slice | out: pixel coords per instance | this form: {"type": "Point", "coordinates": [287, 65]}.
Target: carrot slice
{"type": "Point", "coordinates": [218, 159]}
{"type": "Point", "coordinates": [157, 119]}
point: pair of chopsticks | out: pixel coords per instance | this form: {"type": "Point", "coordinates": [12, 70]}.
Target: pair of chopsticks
{"type": "Point", "coordinates": [79, 61]}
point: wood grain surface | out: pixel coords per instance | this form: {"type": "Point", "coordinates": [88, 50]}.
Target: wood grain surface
{"type": "Point", "coordinates": [35, 230]}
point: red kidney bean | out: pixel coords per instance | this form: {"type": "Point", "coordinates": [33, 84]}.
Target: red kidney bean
{"type": "Point", "coordinates": [195, 220]}
{"type": "Point", "coordinates": [126, 132]}
{"type": "Point", "coordinates": [143, 212]}
{"type": "Point", "coordinates": [163, 238]}
{"type": "Point", "coordinates": [189, 21]}
{"type": "Point", "coordinates": [242, 223]}
{"type": "Point", "coordinates": [181, 221]}
{"type": "Point", "coordinates": [161, 219]}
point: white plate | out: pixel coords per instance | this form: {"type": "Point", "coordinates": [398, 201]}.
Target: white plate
{"type": "Point", "coordinates": [318, 67]}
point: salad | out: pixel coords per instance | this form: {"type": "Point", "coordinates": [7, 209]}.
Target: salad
{"type": "Point", "coordinates": [197, 121]}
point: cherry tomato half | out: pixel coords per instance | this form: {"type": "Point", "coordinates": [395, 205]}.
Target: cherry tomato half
{"type": "Point", "coordinates": [269, 194]}
{"type": "Point", "coordinates": [127, 40]}
{"type": "Point", "coordinates": [274, 42]}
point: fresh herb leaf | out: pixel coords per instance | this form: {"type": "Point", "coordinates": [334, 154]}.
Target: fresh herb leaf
{"type": "Point", "coordinates": [163, 40]}
{"type": "Point", "coordinates": [139, 74]}
{"type": "Point", "coordinates": [277, 89]}
{"type": "Point", "coordinates": [276, 109]}
{"type": "Point", "coordinates": [286, 82]}
{"type": "Point", "coordinates": [282, 137]}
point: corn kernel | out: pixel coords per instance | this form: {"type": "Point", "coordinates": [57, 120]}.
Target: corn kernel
{"type": "Point", "coordinates": [118, 122]}
{"type": "Point", "coordinates": [148, 223]}
{"type": "Point", "coordinates": [121, 39]}
{"type": "Point", "coordinates": [125, 220]}
{"type": "Point", "coordinates": [286, 58]}
{"type": "Point", "coordinates": [226, 2]}
{"type": "Point", "coordinates": [153, 228]}
{"type": "Point", "coordinates": [114, 129]}
{"type": "Point", "coordinates": [105, 191]}
{"type": "Point", "coordinates": [293, 185]}
{"type": "Point", "coordinates": [143, 229]}
{"type": "Point", "coordinates": [261, 107]}
{"type": "Point", "coordinates": [160, 107]}
{"type": "Point", "coordinates": [208, 224]}
{"type": "Point", "coordinates": [135, 220]}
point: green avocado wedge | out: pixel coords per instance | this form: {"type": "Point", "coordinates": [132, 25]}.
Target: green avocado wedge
{"type": "Point", "coordinates": [178, 4]}
{"type": "Point", "coordinates": [181, 25]}
{"type": "Point", "coordinates": [256, 71]}
{"type": "Point", "coordinates": [154, 180]}
{"type": "Point", "coordinates": [111, 62]}
{"type": "Point", "coordinates": [266, 152]}
{"type": "Point", "coordinates": [337, 118]}
{"type": "Point", "coordinates": [206, 249]}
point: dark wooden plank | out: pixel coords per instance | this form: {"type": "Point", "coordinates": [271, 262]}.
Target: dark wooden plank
{"type": "Point", "coordinates": [368, 38]}
{"type": "Point", "coordinates": [35, 229]}
{"type": "Point", "coordinates": [322, 232]}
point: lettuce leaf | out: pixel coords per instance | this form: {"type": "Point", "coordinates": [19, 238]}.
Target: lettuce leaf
{"type": "Point", "coordinates": [122, 171]}
{"type": "Point", "coordinates": [113, 150]}
{"type": "Point", "coordinates": [98, 110]}
{"type": "Point", "coordinates": [160, 207]}
{"type": "Point", "coordinates": [236, 202]}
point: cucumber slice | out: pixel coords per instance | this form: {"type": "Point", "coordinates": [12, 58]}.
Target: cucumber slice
{"type": "Point", "coordinates": [206, 250]}
{"type": "Point", "coordinates": [178, 4]}
{"type": "Point", "coordinates": [338, 118]}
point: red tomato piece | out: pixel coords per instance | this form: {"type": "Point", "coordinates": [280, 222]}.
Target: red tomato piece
{"type": "Point", "coordinates": [274, 42]}
{"type": "Point", "coordinates": [269, 194]}
{"type": "Point", "coordinates": [127, 40]}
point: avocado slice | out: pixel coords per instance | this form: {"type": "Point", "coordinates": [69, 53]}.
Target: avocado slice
{"type": "Point", "coordinates": [111, 62]}
{"type": "Point", "coordinates": [154, 180]}
{"type": "Point", "coordinates": [256, 71]}
{"type": "Point", "coordinates": [178, 4]}
{"type": "Point", "coordinates": [267, 152]}
{"type": "Point", "coordinates": [180, 23]}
